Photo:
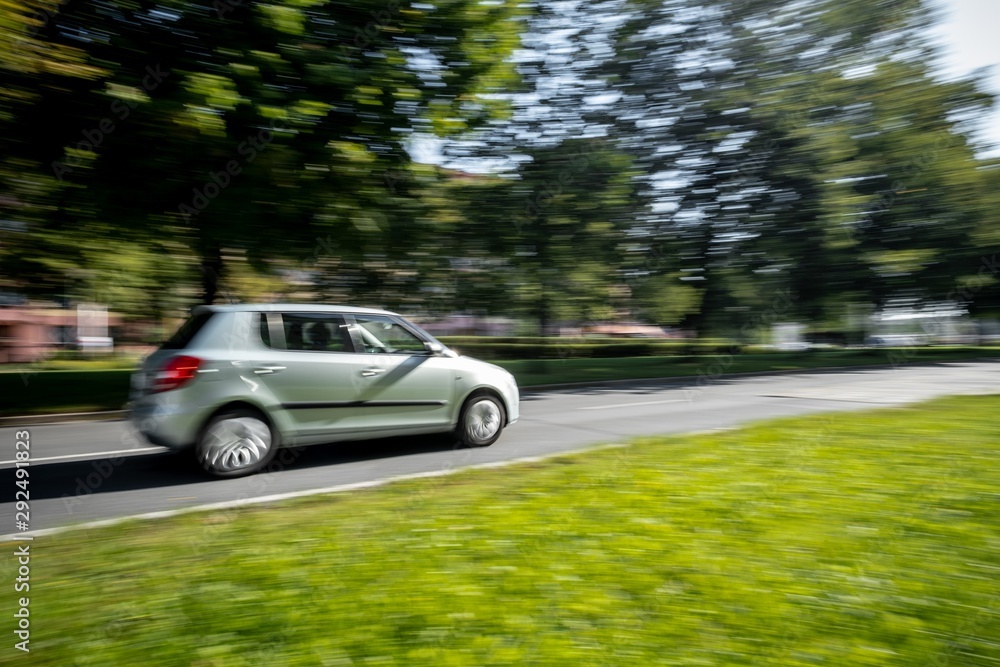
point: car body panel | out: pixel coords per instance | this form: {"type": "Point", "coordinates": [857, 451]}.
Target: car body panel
{"type": "Point", "coordinates": [309, 396]}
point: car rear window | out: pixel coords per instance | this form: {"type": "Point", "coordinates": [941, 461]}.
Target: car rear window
{"type": "Point", "coordinates": [182, 337]}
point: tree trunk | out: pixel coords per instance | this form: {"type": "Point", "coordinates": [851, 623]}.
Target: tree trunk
{"type": "Point", "coordinates": [211, 271]}
{"type": "Point", "coordinates": [543, 312]}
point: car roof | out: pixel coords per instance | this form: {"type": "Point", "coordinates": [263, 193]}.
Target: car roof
{"type": "Point", "coordinates": [287, 307]}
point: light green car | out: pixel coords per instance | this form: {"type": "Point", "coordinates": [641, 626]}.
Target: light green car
{"type": "Point", "coordinates": [237, 382]}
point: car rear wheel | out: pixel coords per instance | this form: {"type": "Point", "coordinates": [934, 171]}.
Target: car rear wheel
{"type": "Point", "coordinates": [236, 443]}
{"type": "Point", "coordinates": [482, 421]}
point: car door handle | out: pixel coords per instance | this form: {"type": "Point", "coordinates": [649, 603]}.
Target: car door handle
{"type": "Point", "coordinates": [370, 372]}
{"type": "Point", "coordinates": [267, 370]}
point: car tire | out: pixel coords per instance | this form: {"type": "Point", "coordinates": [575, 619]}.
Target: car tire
{"type": "Point", "coordinates": [482, 421]}
{"type": "Point", "coordinates": [236, 443]}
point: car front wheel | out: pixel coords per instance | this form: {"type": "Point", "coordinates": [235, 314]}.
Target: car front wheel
{"type": "Point", "coordinates": [481, 422]}
{"type": "Point", "coordinates": [236, 443]}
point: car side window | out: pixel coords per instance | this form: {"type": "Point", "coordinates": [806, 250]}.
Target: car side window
{"type": "Point", "coordinates": [382, 334]}
{"type": "Point", "coordinates": [316, 332]}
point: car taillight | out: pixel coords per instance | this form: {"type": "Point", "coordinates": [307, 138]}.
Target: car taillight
{"type": "Point", "coordinates": [176, 373]}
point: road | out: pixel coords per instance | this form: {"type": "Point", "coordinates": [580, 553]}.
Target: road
{"type": "Point", "coordinates": [84, 472]}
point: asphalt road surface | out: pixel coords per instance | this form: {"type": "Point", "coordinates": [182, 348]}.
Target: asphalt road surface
{"type": "Point", "coordinates": [84, 472]}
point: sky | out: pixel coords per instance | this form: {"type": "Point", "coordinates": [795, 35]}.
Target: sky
{"type": "Point", "coordinates": [969, 37]}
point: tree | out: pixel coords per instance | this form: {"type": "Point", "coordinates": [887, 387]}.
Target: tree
{"type": "Point", "coordinates": [549, 245]}
{"type": "Point", "coordinates": [747, 121]}
{"type": "Point", "coordinates": [570, 232]}
{"type": "Point", "coordinates": [255, 126]}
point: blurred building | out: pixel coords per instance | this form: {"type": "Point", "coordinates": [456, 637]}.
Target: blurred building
{"type": "Point", "coordinates": [909, 327]}
{"type": "Point", "coordinates": [32, 333]}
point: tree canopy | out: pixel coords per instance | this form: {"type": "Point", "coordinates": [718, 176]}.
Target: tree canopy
{"type": "Point", "coordinates": [676, 161]}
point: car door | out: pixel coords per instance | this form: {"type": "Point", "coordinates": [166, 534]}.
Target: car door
{"type": "Point", "coordinates": [311, 368]}
{"type": "Point", "coordinates": [403, 386]}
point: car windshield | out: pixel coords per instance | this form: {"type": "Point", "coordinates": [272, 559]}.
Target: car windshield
{"type": "Point", "coordinates": [382, 334]}
{"type": "Point", "coordinates": [423, 332]}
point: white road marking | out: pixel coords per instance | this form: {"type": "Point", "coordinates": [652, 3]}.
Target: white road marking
{"type": "Point", "coordinates": [89, 455]}
{"type": "Point", "coordinates": [632, 405]}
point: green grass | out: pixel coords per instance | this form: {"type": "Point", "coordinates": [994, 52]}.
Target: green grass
{"type": "Point", "coordinates": [852, 539]}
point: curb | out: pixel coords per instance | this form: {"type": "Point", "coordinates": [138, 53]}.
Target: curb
{"type": "Point", "coordinates": [62, 418]}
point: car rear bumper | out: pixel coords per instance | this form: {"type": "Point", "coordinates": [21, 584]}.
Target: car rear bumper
{"type": "Point", "coordinates": [163, 423]}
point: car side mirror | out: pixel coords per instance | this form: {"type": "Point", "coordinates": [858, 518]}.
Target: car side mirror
{"type": "Point", "coordinates": [434, 348]}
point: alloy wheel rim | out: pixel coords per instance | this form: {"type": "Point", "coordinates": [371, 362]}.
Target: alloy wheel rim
{"type": "Point", "coordinates": [483, 421]}
{"type": "Point", "coordinates": [235, 444]}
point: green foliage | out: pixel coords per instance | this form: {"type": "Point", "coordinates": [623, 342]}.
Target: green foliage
{"type": "Point", "coordinates": [35, 391]}
{"type": "Point", "coordinates": [811, 145]}
{"type": "Point", "coordinates": [665, 299]}
{"type": "Point", "coordinates": [549, 243]}
{"type": "Point", "coordinates": [244, 126]}
{"type": "Point", "coordinates": [677, 161]}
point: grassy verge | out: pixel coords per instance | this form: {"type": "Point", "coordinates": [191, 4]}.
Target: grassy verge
{"type": "Point", "coordinates": [854, 539]}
